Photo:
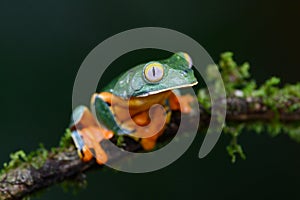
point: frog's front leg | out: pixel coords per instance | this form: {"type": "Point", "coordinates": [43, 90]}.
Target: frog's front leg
{"type": "Point", "coordinates": [83, 151]}
{"type": "Point", "coordinates": [181, 103]}
{"type": "Point", "coordinates": [105, 105]}
{"type": "Point", "coordinates": [91, 147]}
{"type": "Point", "coordinates": [87, 135]}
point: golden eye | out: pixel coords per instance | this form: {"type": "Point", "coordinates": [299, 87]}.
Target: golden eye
{"type": "Point", "coordinates": [154, 72]}
{"type": "Point", "coordinates": [187, 58]}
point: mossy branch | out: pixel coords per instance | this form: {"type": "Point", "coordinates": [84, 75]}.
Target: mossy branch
{"type": "Point", "coordinates": [268, 107]}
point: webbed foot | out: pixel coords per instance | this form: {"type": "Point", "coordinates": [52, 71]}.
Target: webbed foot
{"type": "Point", "coordinates": [87, 135]}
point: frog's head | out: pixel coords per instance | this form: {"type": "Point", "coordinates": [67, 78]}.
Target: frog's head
{"type": "Point", "coordinates": [157, 76]}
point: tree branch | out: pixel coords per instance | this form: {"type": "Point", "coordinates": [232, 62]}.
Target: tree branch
{"type": "Point", "coordinates": [245, 103]}
{"type": "Point", "coordinates": [66, 165]}
{"type": "Point", "coordinates": [254, 109]}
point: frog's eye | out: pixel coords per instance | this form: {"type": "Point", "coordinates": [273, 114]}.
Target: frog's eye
{"type": "Point", "coordinates": [154, 72]}
{"type": "Point", "coordinates": [187, 58]}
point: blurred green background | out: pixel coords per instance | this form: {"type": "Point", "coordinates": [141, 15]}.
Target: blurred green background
{"type": "Point", "coordinates": [43, 43]}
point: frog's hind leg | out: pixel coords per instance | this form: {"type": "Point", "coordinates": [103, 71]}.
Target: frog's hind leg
{"type": "Point", "coordinates": [181, 102]}
{"type": "Point", "coordinates": [155, 126]}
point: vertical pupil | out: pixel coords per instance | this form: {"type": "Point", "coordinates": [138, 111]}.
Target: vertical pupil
{"type": "Point", "coordinates": [153, 71]}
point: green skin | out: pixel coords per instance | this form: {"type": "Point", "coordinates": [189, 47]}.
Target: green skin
{"type": "Point", "coordinates": [177, 74]}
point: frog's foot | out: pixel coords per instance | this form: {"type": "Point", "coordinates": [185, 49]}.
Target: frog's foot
{"type": "Point", "coordinates": [83, 151]}
{"type": "Point", "coordinates": [148, 143]}
{"type": "Point", "coordinates": [88, 146]}
{"type": "Point", "coordinates": [182, 103]}
{"type": "Point", "coordinates": [87, 135]}
{"type": "Point", "coordinates": [85, 154]}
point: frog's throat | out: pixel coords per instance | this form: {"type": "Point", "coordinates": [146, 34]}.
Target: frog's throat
{"type": "Point", "coordinates": [167, 89]}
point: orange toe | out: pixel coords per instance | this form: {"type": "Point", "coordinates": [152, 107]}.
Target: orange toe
{"type": "Point", "coordinates": [148, 144]}
{"type": "Point", "coordinates": [86, 155]}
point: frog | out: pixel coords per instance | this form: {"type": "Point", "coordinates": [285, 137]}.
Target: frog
{"type": "Point", "coordinates": [138, 103]}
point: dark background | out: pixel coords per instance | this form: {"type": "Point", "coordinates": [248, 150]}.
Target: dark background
{"type": "Point", "coordinates": [43, 43]}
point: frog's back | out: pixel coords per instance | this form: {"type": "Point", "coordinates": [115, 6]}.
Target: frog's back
{"type": "Point", "coordinates": [121, 85]}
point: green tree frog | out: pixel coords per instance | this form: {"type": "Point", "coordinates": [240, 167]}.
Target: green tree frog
{"type": "Point", "coordinates": [129, 106]}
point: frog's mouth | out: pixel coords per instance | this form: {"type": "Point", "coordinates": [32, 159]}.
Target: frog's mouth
{"type": "Point", "coordinates": [167, 89]}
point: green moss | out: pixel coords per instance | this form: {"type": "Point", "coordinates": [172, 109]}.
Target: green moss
{"type": "Point", "coordinates": [16, 159]}
{"type": "Point", "coordinates": [234, 149]}
{"type": "Point", "coordinates": [234, 76]}
{"type": "Point", "coordinates": [249, 88]}
{"type": "Point", "coordinates": [273, 128]}
{"type": "Point", "coordinates": [65, 142]}
{"type": "Point", "coordinates": [204, 99]}
{"type": "Point", "coordinates": [36, 159]}
{"type": "Point", "coordinates": [293, 132]}
{"type": "Point", "coordinates": [66, 139]}
{"type": "Point", "coordinates": [120, 140]}
{"type": "Point", "coordinates": [285, 99]}
{"type": "Point", "coordinates": [238, 78]}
